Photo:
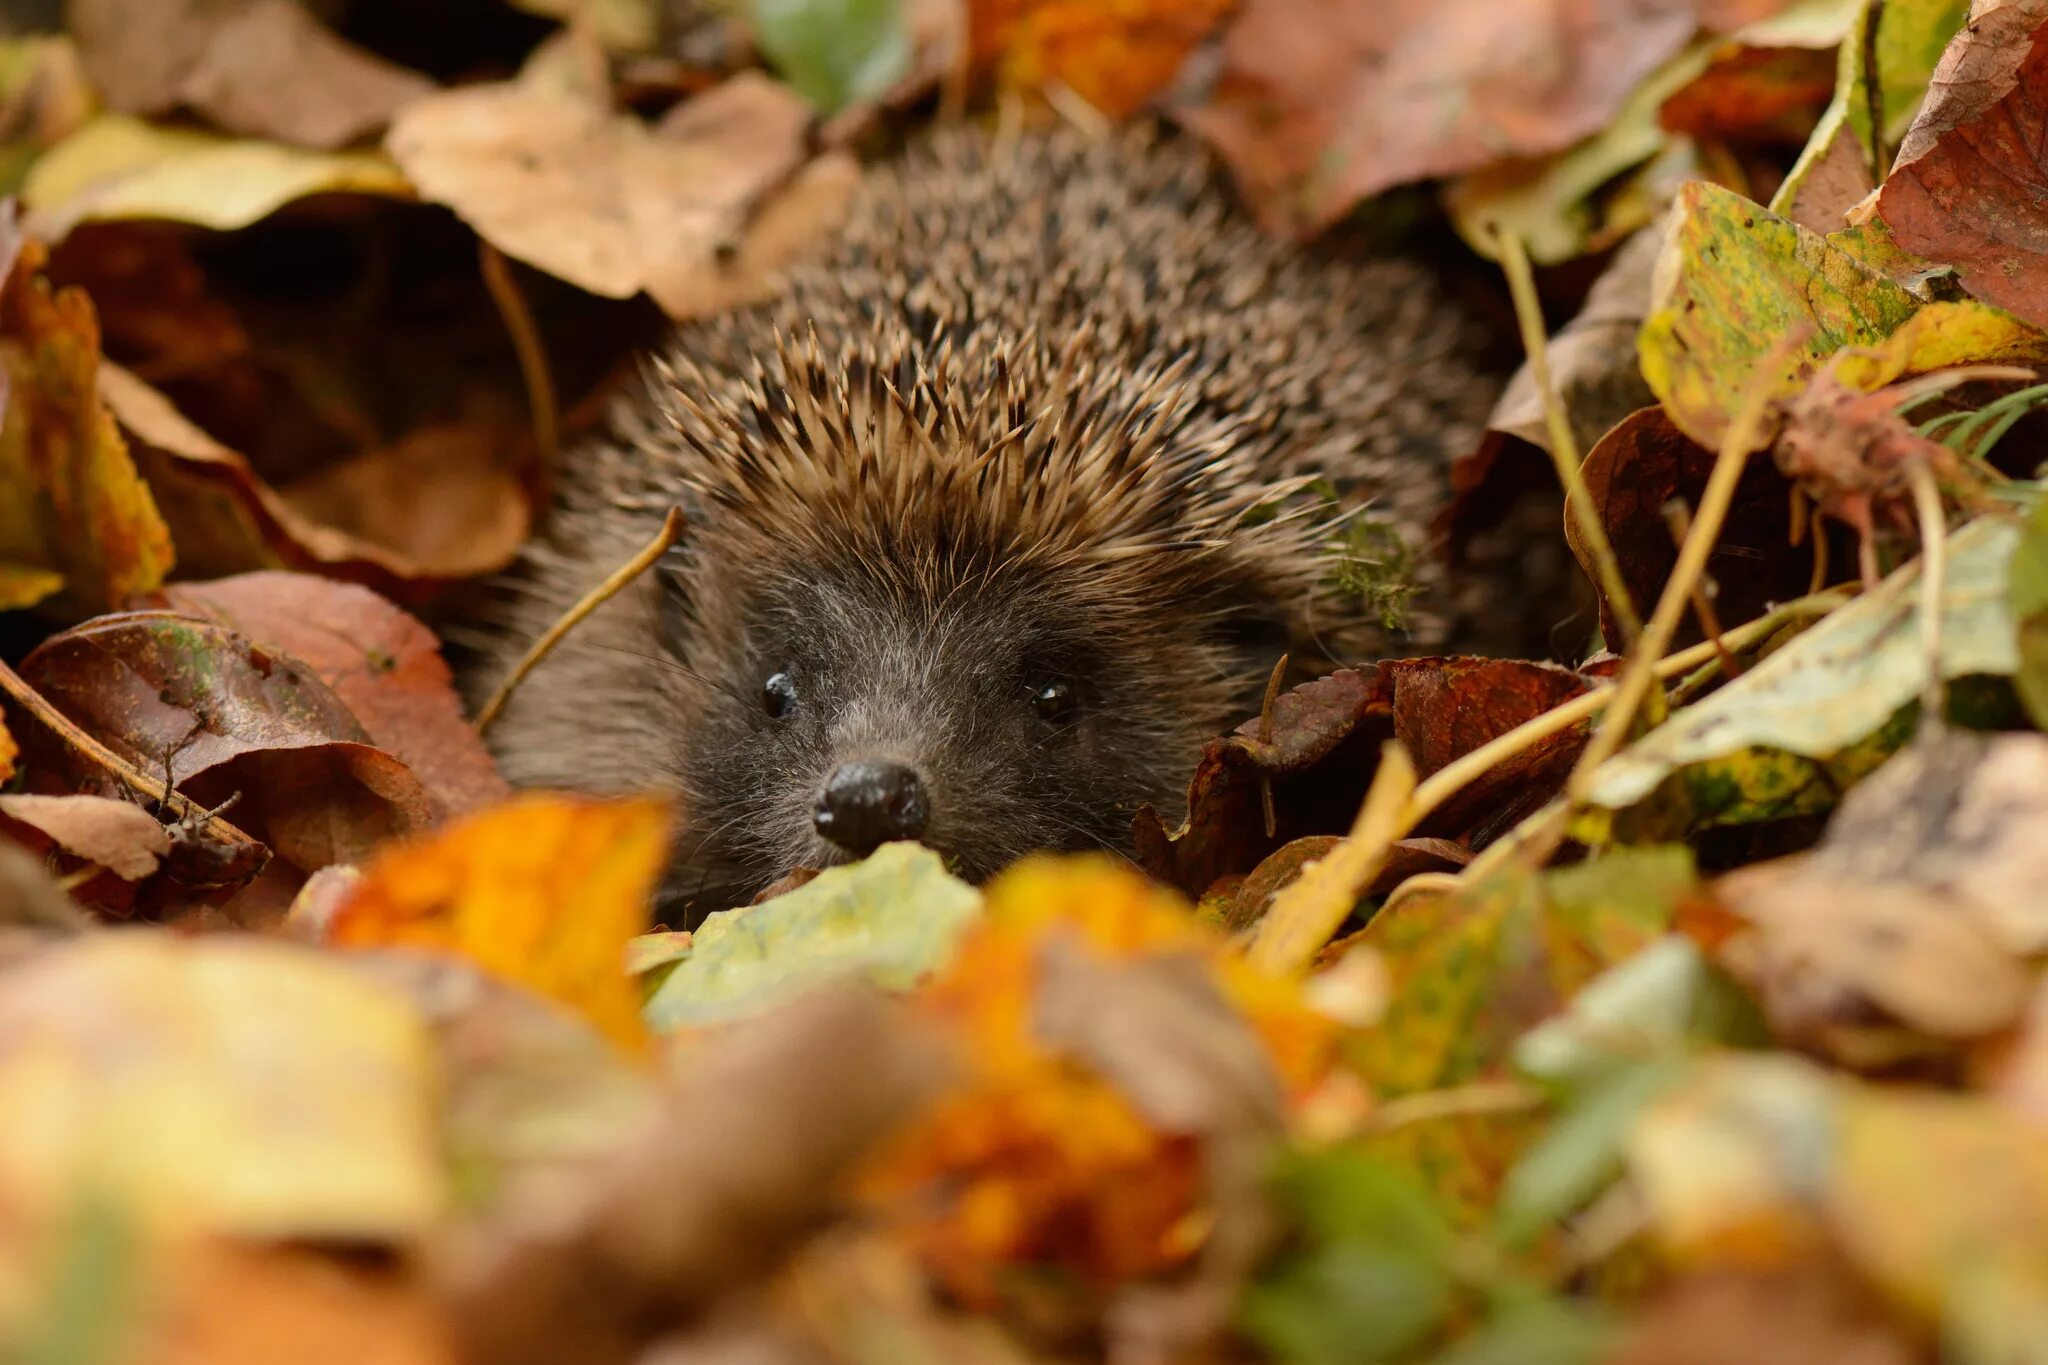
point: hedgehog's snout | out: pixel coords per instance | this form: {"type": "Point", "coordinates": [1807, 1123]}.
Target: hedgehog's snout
{"type": "Point", "coordinates": [870, 802]}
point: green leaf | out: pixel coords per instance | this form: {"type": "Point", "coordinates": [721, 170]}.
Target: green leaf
{"type": "Point", "coordinates": [1734, 279]}
{"type": "Point", "coordinates": [1582, 1150]}
{"type": "Point", "coordinates": [1530, 1327]}
{"type": "Point", "coordinates": [1818, 714]}
{"type": "Point", "coordinates": [1640, 1008]}
{"type": "Point", "coordinates": [891, 917]}
{"type": "Point", "coordinates": [2027, 598]}
{"type": "Point", "coordinates": [1351, 1304]}
{"type": "Point", "coordinates": [1348, 1193]}
{"type": "Point", "coordinates": [835, 52]}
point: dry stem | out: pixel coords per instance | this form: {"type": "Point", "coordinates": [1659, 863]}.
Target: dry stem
{"type": "Point", "coordinates": [533, 360]}
{"type": "Point", "coordinates": [671, 528]}
{"type": "Point", "coordinates": [1564, 450]}
{"type": "Point", "coordinates": [165, 796]}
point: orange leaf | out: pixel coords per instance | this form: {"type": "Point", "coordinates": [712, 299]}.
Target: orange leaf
{"type": "Point", "coordinates": [542, 891]}
{"type": "Point", "coordinates": [71, 503]}
{"type": "Point", "coordinates": [1115, 54]}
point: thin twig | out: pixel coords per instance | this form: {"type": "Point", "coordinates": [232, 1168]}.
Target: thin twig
{"type": "Point", "coordinates": [1678, 517]}
{"type": "Point", "coordinates": [1266, 737]}
{"type": "Point", "coordinates": [1564, 450]}
{"type": "Point", "coordinates": [1460, 1101]}
{"type": "Point", "coordinates": [533, 359]}
{"type": "Point", "coordinates": [165, 796]}
{"type": "Point", "coordinates": [1729, 462]}
{"type": "Point", "coordinates": [671, 528]}
{"type": "Point", "coordinates": [1933, 521]}
{"type": "Point", "coordinates": [1446, 781]}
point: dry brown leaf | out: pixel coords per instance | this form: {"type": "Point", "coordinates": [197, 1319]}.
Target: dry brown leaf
{"type": "Point", "coordinates": [1323, 102]}
{"type": "Point", "coordinates": [699, 212]}
{"type": "Point", "coordinates": [120, 836]}
{"type": "Point", "coordinates": [379, 660]}
{"type": "Point", "coordinates": [747, 1151]}
{"type": "Point", "coordinates": [457, 511]}
{"type": "Point", "coordinates": [263, 68]}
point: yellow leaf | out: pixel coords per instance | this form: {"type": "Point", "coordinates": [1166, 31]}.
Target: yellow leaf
{"type": "Point", "coordinates": [233, 1086]}
{"type": "Point", "coordinates": [543, 891]}
{"type": "Point", "coordinates": [9, 751]}
{"type": "Point", "coordinates": [120, 167]}
{"type": "Point", "coordinates": [72, 507]}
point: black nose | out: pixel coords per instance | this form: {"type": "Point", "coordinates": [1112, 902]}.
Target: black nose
{"type": "Point", "coordinates": [868, 803]}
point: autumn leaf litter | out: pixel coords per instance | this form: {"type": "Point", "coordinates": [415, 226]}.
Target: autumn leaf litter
{"type": "Point", "coordinates": [1675, 999]}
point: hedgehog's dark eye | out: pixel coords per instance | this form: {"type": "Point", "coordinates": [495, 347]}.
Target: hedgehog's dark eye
{"type": "Point", "coordinates": [778, 695]}
{"type": "Point", "coordinates": [1052, 700]}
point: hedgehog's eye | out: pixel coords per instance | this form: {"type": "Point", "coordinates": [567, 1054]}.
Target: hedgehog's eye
{"type": "Point", "coordinates": [1052, 700]}
{"type": "Point", "coordinates": [778, 695]}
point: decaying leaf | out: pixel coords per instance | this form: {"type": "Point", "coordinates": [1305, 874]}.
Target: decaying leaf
{"type": "Point", "coordinates": [542, 891]}
{"type": "Point", "coordinates": [263, 68]}
{"type": "Point", "coordinates": [219, 1085]}
{"type": "Point", "coordinates": [746, 1151]}
{"type": "Point", "coordinates": [219, 715]}
{"type": "Point", "coordinates": [1643, 464]}
{"type": "Point", "coordinates": [1052, 1150]}
{"type": "Point", "coordinates": [1735, 279]}
{"type": "Point", "coordinates": [1318, 761]}
{"type": "Point", "coordinates": [699, 212]}
{"type": "Point", "coordinates": [1918, 907]}
{"type": "Point", "coordinates": [119, 836]}
{"type": "Point", "coordinates": [1966, 187]}
{"type": "Point", "coordinates": [119, 167]}
{"type": "Point", "coordinates": [443, 503]}
{"type": "Point", "coordinates": [1882, 69]}
{"type": "Point", "coordinates": [1788, 735]}
{"type": "Point", "coordinates": [1119, 58]}
{"type": "Point", "coordinates": [1316, 105]}
{"type": "Point", "coordinates": [891, 918]}
{"type": "Point", "coordinates": [382, 663]}
{"type": "Point", "coordinates": [74, 515]}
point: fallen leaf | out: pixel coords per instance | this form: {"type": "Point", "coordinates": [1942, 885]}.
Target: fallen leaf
{"type": "Point", "coordinates": [443, 503]}
{"type": "Point", "coordinates": [1883, 65]}
{"type": "Point", "coordinates": [381, 662]}
{"type": "Point", "coordinates": [837, 52]}
{"type": "Point", "coordinates": [1645, 463]}
{"type": "Point", "coordinates": [118, 167]}
{"type": "Point", "coordinates": [191, 700]}
{"type": "Point", "coordinates": [1960, 191]}
{"type": "Point", "coordinates": [73, 511]}
{"type": "Point", "coordinates": [120, 836]}
{"type": "Point", "coordinates": [2027, 599]}
{"type": "Point", "coordinates": [1735, 279]}
{"type": "Point", "coordinates": [890, 918]}
{"type": "Point", "coordinates": [1118, 58]}
{"type": "Point", "coordinates": [1773, 1315]}
{"type": "Point", "coordinates": [234, 1303]}
{"type": "Point", "coordinates": [1317, 102]}
{"type": "Point", "coordinates": [621, 25]}
{"type": "Point", "coordinates": [262, 68]}
{"type": "Point", "coordinates": [1039, 1156]}
{"type": "Point", "coordinates": [700, 212]}
{"type": "Point", "coordinates": [749, 1148]}
{"type": "Point", "coordinates": [1817, 714]}
{"type": "Point", "coordinates": [1593, 358]}
{"type": "Point", "coordinates": [541, 891]}
{"type": "Point", "coordinates": [446, 499]}
{"type": "Point", "coordinates": [216, 1085]}
{"type": "Point", "coordinates": [1319, 761]}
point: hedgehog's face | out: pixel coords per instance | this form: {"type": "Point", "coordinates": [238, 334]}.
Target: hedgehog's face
{"type": "Point", "coordinates": [985, 718]}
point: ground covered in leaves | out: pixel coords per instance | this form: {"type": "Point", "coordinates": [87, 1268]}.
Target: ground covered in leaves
{"type": "Point", "coordinates": [1675, 1001]}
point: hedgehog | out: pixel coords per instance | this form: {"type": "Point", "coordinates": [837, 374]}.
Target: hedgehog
{"type": "Point", "coordinates": [994, 513]}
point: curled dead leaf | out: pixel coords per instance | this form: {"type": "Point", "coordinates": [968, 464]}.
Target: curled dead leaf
{"type": "Point", "coordinates": [118, 835]}
{"type": "Point", "coordinates": [699, 212]}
